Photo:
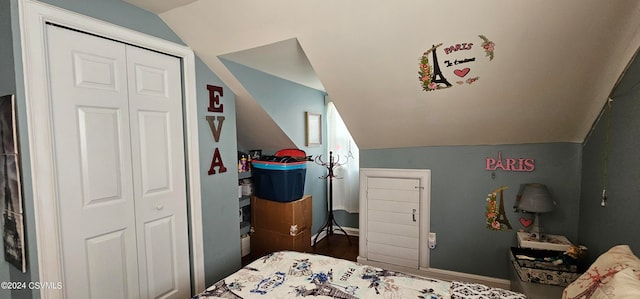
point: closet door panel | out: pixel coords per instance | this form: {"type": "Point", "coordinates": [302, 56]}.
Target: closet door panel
{"type": "Point", "coordinates": [107, 260]}
{"type": "Point", "coordinates": [155, 101]}
{"type": "Point", "coordinates": [92, 158]}
{"type": "Point", "coordinates": [161, 257]}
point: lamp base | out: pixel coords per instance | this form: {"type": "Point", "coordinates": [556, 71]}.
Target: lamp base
{"type": "Point", "coordinates": [549, 242]}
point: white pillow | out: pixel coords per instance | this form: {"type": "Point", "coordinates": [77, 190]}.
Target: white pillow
{"type": "Point", "coordinates": [615, 274]}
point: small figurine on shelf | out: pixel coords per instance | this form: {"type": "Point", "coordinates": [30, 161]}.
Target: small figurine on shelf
{"type": "Point", "coordinates": [244, 162]}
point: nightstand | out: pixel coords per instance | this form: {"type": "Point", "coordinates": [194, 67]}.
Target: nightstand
{"type": "Point", "coordinates": [533, 290]}
{"type": "Point", "coordinates": [534, 273]}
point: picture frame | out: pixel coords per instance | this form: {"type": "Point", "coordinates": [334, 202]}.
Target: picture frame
{"type": "Point", "coordinates": [313, 126]}
{"type": "Point", "coordinates": [11, 187]}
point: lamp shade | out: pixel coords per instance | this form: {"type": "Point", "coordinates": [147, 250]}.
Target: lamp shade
{"type": "Point", "coordinates": [535, 198]}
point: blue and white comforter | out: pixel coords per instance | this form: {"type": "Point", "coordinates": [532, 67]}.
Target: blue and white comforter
{"type": "Point", "coordinates": [290, 274]}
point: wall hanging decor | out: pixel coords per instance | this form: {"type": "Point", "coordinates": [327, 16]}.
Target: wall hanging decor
{"type": "Point", "coordinates": [509, 164]}
{"type": "Point", "coordinates": [313, 126]}
{"type": "Point", "coordinates": [526, 222]}
{"type": "Point", "coordinates": [496, 216]}
{"type": "Point", "coordinates": [461, 63]}
{"type": "Point", "coordinates": [12, 213]}
{"type": "Point", "coordinates": [215, 125]}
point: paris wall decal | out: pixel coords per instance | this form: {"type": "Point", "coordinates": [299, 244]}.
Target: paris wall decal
{"type": "Point", "coordinates": [462, 62]}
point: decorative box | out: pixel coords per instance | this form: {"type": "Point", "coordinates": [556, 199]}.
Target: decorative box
{"type": "Point", "coordinates": [542, 266]}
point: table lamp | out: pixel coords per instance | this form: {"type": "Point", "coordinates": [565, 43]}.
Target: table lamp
{"type": "Point", "coordinates": [535, 198]}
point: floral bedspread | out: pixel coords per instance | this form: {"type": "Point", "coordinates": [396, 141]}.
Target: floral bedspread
{"type": "Point", "coordinates": [289, 274]}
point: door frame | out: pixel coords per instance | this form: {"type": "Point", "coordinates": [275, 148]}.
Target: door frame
{"type": "Point", "coordinates": [424, 176]}
{"type": "Point", "coordinates": [34, 17]}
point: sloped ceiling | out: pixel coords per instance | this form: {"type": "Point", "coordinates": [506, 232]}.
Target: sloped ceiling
{"type": "Point", "coordinates": [554, 63]}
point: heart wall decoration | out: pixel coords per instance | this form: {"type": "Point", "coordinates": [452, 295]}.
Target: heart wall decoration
{"type": "Point", "coordinates": [461, 61]}
{"type": "Point", "coordinates": [461, 73]}
{"type": "Point", "coordinates": [526, 222]}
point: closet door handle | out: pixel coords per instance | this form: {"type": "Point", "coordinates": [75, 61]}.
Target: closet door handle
{"type": "Point", "coordinates": [414, 215]}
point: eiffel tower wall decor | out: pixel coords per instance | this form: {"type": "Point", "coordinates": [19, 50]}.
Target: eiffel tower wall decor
{"type": "Point", "coordinates": [461, 63]}
{"type": "Point", "coordinates": [12, 214]}
{"type": "Point", "coordinates": [496, 215]}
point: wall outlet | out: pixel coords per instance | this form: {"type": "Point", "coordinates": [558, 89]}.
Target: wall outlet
{"type": "Point", "coordinates": [432, 240]}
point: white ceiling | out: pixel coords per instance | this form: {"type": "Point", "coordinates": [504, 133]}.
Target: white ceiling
{"type": "Point", "coordinates": [554, 67]}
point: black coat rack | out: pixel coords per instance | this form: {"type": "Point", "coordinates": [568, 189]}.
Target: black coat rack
{"type": "Point", "coordinates": [331, 221]}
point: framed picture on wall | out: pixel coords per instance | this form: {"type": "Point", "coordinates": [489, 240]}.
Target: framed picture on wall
{"type": "Point", "coordinates": [313, 124]}
{"type": "Point", "coordinates": [10, 186]}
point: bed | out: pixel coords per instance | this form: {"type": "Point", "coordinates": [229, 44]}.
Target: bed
{"type": "Point", "coordinates": [289, 274]}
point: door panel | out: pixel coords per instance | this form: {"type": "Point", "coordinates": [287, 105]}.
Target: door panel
{"type": "Point", "coordinates": [392, 206]}
{"type": "Point", "coordinates": [107, 262]}
{"type": "Point", "coordinates": [96, 72]}
{"type": "Point", "coordinates": [155, 101]}
{"type": "Point", "coordinates": [394, 260]}
{"type": "Point", "coordinates": [394, 218]}
{"type": "Point", "coordinates": [392, 183]}
{"type": "Point", "coordinates": [393, 239]}
{"type": "Point", "coordinates": [397, 195]}
{"type": "Point", "coordinates": [393, 229]}
{"type": "Point", "coordinates": [154, 152]}
{"type": "Point", "coordinates": [99, 138]}
{"type": "Point", "coordinates": [161, 257]}
{"type": "Point", "coordinates": [393, 221]}
{"type": "Point", "coordinates": [391, 254]}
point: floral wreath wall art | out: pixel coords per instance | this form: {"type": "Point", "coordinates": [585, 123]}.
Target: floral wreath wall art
{"type": "Point", "coordinates": [460, 62]}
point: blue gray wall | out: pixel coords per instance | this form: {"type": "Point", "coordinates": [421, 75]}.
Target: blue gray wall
{"type": "Point", "coordinates": [221, 228]}
{"type": "Point", "coordinates": [617, 223]}
{"type": "Point", "coordinates": [7, 86]}
{"type": "Point", "coordinates": [219, 207]}
{"type": "Point", "coordinates": [286, 102]}
{"type": "Point", "coordinates": [459, 188]}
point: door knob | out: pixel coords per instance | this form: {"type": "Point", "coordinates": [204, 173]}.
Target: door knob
{"type": "Point", "coordinates": [414, 215]}
{"type": "Point", "coordinates": [159, 207]}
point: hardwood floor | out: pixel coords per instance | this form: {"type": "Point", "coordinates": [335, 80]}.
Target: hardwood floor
{"type": "Point", "coordinates": [336, 245]}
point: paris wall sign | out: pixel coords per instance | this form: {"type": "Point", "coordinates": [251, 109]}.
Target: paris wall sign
{"type": "Point", "coordinates": [446, 65]}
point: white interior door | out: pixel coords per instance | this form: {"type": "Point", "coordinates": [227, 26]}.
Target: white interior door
{"type": "Point", "coordinates": [393, 218]}
{"type": "Point", "coordinates": [117, 127]}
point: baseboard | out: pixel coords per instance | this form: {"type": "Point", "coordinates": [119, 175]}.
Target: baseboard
{"type": "Point", "coordinates": [349, 230]}
{"type": "Point", "coordinates": [442, 274]}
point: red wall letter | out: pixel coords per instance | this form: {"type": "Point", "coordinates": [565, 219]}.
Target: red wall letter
{"type": "Point", "coordinates": [214, 99]}
{"type": "Point", "coordinates": [215, 131]}
{"type": "Point", "coordinates": [216, 162]}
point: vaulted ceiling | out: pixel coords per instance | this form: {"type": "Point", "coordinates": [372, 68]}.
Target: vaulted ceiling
{"type": "Point", "coordinates": [519, 71]}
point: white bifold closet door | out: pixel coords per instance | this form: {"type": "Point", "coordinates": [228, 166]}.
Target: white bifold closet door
{"type": "Point", "coordinates": [120, 168]}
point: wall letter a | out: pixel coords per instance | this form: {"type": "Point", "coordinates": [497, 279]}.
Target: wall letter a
{"type": "Point", "coordinates": [216, 162]}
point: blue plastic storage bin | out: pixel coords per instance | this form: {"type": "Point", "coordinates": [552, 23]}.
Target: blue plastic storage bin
{"type": "Point", "coordinates": [283, 182]}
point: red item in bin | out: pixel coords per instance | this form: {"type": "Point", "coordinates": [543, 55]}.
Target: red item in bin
{"type": "Point", "coordinates": [291, 152]}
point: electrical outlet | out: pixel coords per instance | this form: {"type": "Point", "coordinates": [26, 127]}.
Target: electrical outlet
{"type": "Point", "coordinates": [432, 240]}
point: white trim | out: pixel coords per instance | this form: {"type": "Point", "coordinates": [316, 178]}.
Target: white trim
{"type": "Point", "coordinates": [33, 18]}
{"type": "Point", "coordinates": [349, 230]}
{"type": "Point", "coordinates": [424, 176]}
{"type": "Point", "coordinates": [446, 275]}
